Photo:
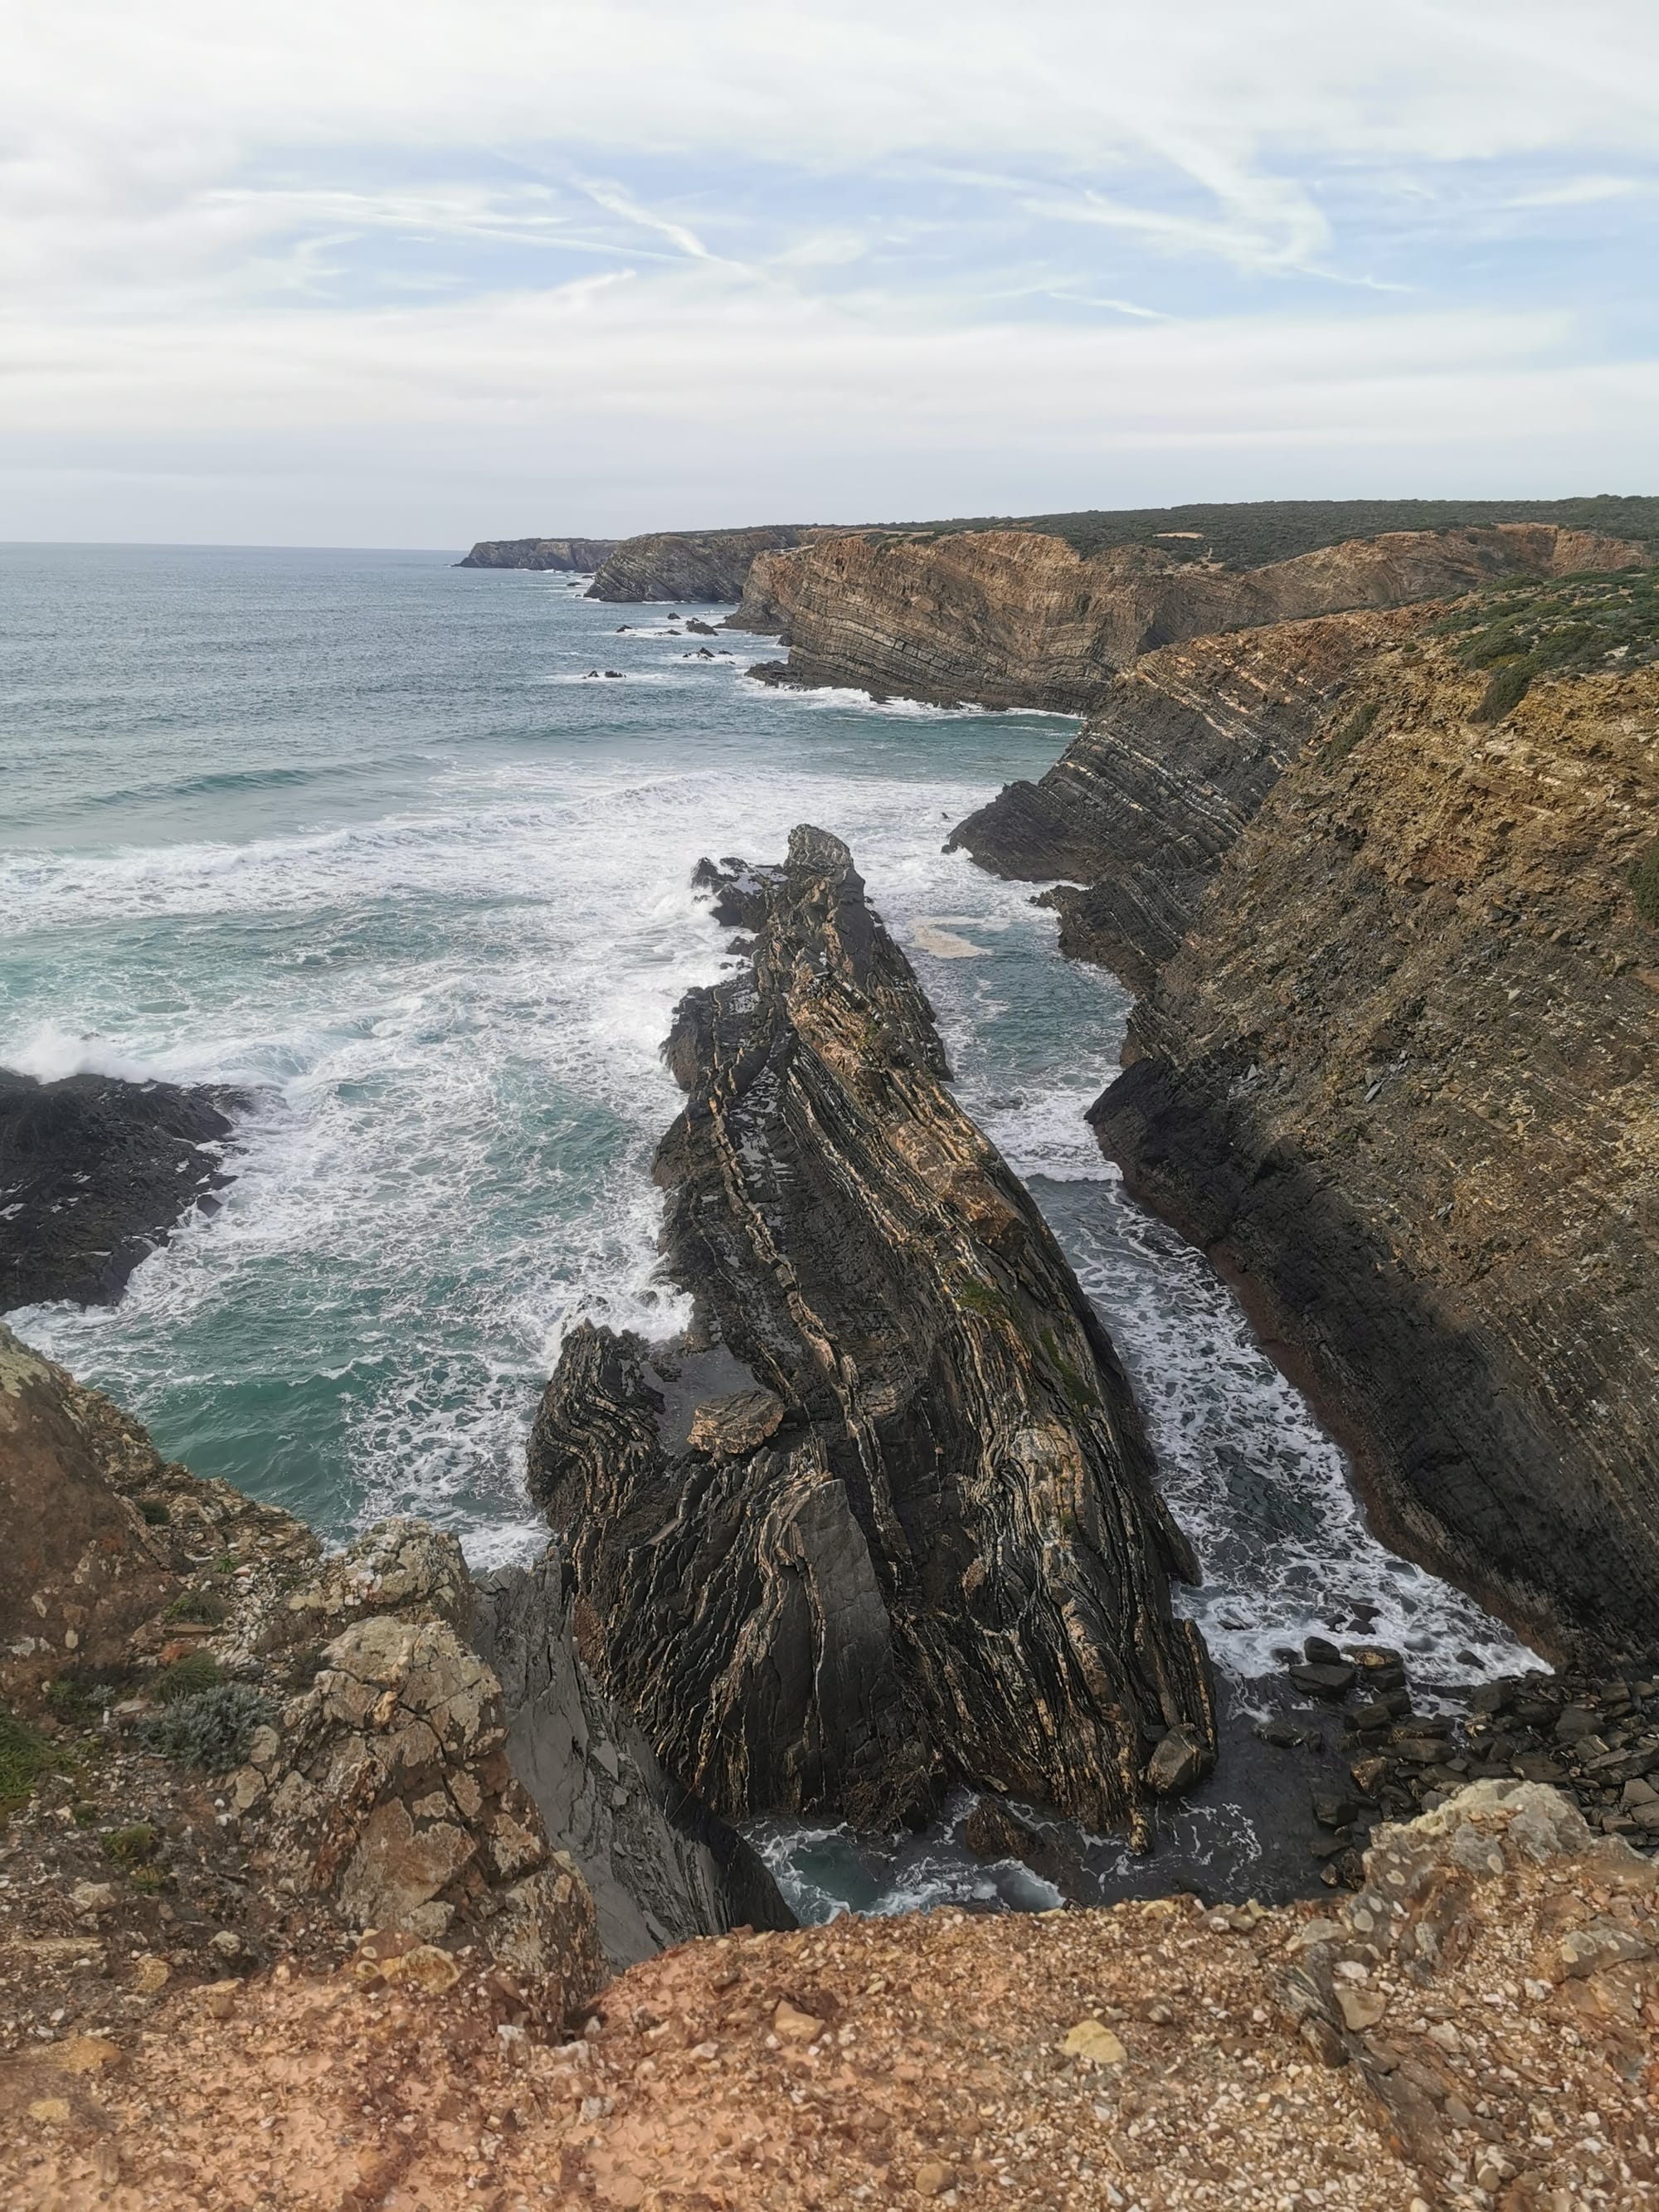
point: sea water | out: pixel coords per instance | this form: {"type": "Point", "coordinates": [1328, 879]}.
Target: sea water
{"type": "Point", "coordinates": [379, 841]}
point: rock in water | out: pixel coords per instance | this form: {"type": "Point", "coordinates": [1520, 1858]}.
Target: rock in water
{"type": "Point", "coordinates": [937, 1552]}
{"type": "Point", "coordinates": [94, 1173]}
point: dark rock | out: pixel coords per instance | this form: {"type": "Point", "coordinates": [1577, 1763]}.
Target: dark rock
{"type": "Point", "coordinates": [1182, 1756]}
{"type": "Point", "coordinates": [661, 1868]}
{"type": "Point", "coordinates": [1574, 1722]}
{"type": "Point", "coordinates": [94, 1173]}
{"type": "Point", "coordinates": [1333, 1809]}
{"type": "Point", "coordinates": [701, 628]}
{"type": "Point", "coordinates": [1328, 1682]}
{"type": "Point", "coordinates": [948, 1562]}
{"type": "Point", "coordinates": [1286, 1734]}
{"type": "Point", "coordinates": [992, 1832]}
{"type": "Point", "coordinates": [1380, 1712]}
{"type": "Point", "coordinates": [1320, 1651]}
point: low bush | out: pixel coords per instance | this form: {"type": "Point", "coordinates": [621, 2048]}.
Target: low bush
{"type": "Point", "coordinates": [186, 1678]}
{"type": "Point", "coordinates": [211, 1728]}
{"type": "Point", "coordinates": [24, 1758]}
{"type": "Point", "coordinates": [134, 1846]}
{"type": "Point", "coordinates": [200, 1606]}
{"type": "Point", "coordinates": [1645, 883]}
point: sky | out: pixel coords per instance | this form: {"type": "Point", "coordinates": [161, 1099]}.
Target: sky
{"type": "Point", "coordinates": [347, 272]}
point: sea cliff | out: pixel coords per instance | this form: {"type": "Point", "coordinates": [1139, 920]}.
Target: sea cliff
{"type": "Point", "coordinates": [578, 556]}
{"type": "Point", "coordinates": [704, 566]}
{"type": "Point", "coordinates": [886, 1519]}
{"type": "Point", "coordinates": [1007, 618]}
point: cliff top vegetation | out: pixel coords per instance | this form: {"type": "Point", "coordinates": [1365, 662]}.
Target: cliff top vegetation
{"type": "Point", "coordinates": [1250, 534]}
{"type": "Point", "coordinates": [1569, 626]}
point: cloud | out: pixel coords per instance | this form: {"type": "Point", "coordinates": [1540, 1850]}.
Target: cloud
{"type": "Point", "coordinates": [854, 232]}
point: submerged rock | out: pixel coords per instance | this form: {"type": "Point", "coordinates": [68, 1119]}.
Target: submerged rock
{"type": "Point", "coordinates": [945, 1559]}
{"type": "Point", "coordinates": [94, 1173]}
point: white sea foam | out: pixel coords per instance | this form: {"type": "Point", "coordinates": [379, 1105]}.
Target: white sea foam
{"type": "Point", "coordinates": [49, 1051]}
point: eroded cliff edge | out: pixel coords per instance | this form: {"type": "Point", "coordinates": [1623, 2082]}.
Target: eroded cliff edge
{"type": "Point", "coordinates": [1401, 1077]}
{"type": "Point", "coordinates": [1008, 618]}
{"type": "Point", "coordinates": [885, 1519]}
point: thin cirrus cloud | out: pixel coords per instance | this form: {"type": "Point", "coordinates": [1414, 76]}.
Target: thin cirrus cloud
{"type": "Point", "coordinates": [413, 273]}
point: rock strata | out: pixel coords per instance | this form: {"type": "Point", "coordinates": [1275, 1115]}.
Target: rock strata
{"type": "Point", "coordinates": [94, 1174]}
{"type": "Point", "coordinates": [1400, 1080]}
{"type": "Point", "coordinates": [886, 1518]}
{"type": "Point", "coordinates": [1007, 618]}
{"type": "Point", "coordinates": [700, 566]}
{"type": "Point", "coordinates": [578, 556]}
{"type": "Point", "coordinates": [1147, 800]}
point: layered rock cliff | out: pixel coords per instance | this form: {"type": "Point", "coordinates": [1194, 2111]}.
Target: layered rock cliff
{"type": "Point", "coordinates": [1401, 1079]}
{"type": "Point", "coordinates": [1149, 798]}
{"type": "Point", "coordinates": [885, 1519]}
{"type": "Point", "coordinates": [700, 566]}
{"type": "Point", "coordinates": [578, 556]}
{"type": "Point", "coordinates": [1009, 619]}
{"type": "Point", "coordinates": [94, 1174]}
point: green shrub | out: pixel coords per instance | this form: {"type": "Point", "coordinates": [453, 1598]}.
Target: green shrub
{"type": "Point", "coordinates": [24, 1758]}
{"type": "Point", "coordinates": [211, 1728]}
{"type": "Point", "coordinates": [201, 1606]}
{"type": "Point", "coordinates": [135, 1846]}
{"type": "Point", "coordinates": [1506, 689]}
{"type": "Point", "coordinates": [186, 1678]}
{"type": "Point", "coordinates": [154, 1512]}
{"type": "Point", "coordinates": [1645, 883]}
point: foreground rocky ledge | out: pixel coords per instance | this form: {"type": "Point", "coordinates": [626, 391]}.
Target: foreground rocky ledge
{"type": "Point", "coordinates": [886, 1519]}
{"type": "Point", "coordinates": [1473, 2030]}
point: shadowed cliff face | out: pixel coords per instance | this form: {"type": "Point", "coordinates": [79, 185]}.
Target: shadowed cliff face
{"type": "Point", "coordinates": [702, 566]}
{"type": "Point", "coordinates": [1403, 1077]}
{"type": "Point", "coordinates": [1148, 799]}
{"type": "Point", "coordinates": [1008, 619]}
{"type": "Point", "coordinates": [886, 1518]}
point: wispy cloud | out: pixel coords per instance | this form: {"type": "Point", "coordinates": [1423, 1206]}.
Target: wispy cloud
{"type": "Point", "coordinates": [1078, 228]}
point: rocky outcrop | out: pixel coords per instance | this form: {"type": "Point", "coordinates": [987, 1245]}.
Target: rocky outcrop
{"type": "Point", "coordinates": [696, 566]}
{"type": "Point", "coordinates": [660, 1868]}
{"type": "Point", "coordinates": [1400, 1080]}
{"type": "Point", "coordinates": [886, 1517]}
{"type": "Point", "coordinates": [367, 1755]}
{"type": "Point", "coordinates": [578, 556]}
{"type": "Point", "coordinates": [1009, 619]}
{"type": "Point", "coordinates": [1151, 795]}
{"type": "Point", "coordinates": [94, 1174]}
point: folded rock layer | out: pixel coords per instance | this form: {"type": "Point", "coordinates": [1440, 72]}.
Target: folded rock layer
{"type": "Point", "coordinates": [886, 1517]}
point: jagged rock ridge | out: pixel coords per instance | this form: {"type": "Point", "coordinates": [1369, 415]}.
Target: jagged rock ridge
{"type": "Point", "coordinates": [94, 1173]}
{"type": "Point", "coordinates": [574, 556]}
{"type": "Point", "coordinates": [886, 1518]}
{"type": "Point", "coordinates": [1007, 618]}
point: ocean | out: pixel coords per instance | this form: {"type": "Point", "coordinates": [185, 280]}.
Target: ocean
{"type": "Point", "coordinates": [380, 842]}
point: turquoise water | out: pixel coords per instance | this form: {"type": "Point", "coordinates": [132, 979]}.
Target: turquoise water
{"type": "Point", "coordinates": [358, 832]}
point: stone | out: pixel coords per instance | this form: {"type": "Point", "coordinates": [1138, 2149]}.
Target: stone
{"type": "Point", "coordinates": [1320, 1651]}
{"type": "Point", "coordinates": [50, 2111]}
{"type": "Point", "coordinates": [1092, 2039]}
{"type": "Point", "coordinates": [932, 2178]}
{"type": "Point", "coordinates": [88, 1899]}
{"type": "Point", "coordinates": [424, 1967]}
{"type": "Point", "coordinates": [84, 2054]}
{"type": "Point", "coordinates": [1333, 1809]}
{"type": "Point", "coordinates": [151, 1975]}
{"type": "Point", "coordinates": [218, 1999]}
{"type": "Point", "coordinates": [1328, 1682]}
{"type": "Point", "coordinates": [728, 1427]}
{"type": "Point", "coordinates": [1360, 2008]}
{"type": "Point", "coordinates": [792, 2025]}
{"type": "Point", "coordinates": [1178, 1761]}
